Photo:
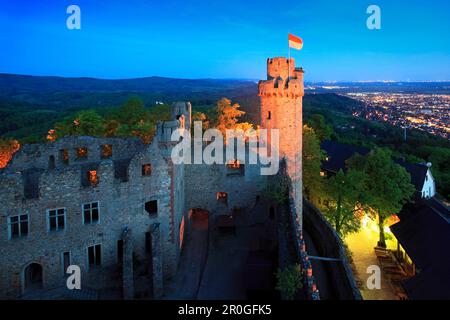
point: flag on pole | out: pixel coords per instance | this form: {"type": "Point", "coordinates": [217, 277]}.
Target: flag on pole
{"type": "Point", "coordinates": [295, 42]}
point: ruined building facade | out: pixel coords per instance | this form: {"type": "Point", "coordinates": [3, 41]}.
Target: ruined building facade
{"type": "Point", "coordinates": [107, 205]}
{"type": "Point", "coordinates": [120, 209]}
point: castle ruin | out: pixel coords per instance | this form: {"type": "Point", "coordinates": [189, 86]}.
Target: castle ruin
{"type": "Point", "coordinates": [119, 209]}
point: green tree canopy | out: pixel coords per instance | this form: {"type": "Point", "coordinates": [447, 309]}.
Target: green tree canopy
{"type": "Point", "coordinates": [312, 156]}
{"type": "Point", "coordinates": [387, 187]}
{"type": "Point", "coordinates": [130, 113]}
{"type": "Point", "coordinates": [321, 128]}
{"type": "Point", "coordinates": [289, 280]}
{"type": "Point", "coordinates": [131, 119]}
{"type": "Point", "coordinates": [85, 123]}
{"type": "Point", "coordinates": [344, 192]}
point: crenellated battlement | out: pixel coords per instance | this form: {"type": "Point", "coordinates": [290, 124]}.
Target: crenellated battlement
{"type": "Point", "coordinates": [280, 67]}
{"type": "Point", "coordinates": [283, 79]}
{"type": "Point", "coordinates": [280, 88]}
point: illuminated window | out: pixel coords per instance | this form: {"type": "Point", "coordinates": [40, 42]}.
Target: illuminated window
{"type": "Point", "coordinates": [234, 164]}
{"type": "Point", "coordinates": [234, 167]}
{"type": "Point", "coordinates": [181, 232]}
{"type": "Point", "coordinates": [82, 153]}
{"type": "Point", "coordinates": [322, 173]}
{"type": "Point", "coordinates": [64, 156]}
{"type": "Point", "coordinates": [93, 177]}
{"type": "Point", "coordinates": [222, 196]}
{"type": "Point", "coordinates": [106, 151]}
{"type": "Point", "coordinates": [147, 169]}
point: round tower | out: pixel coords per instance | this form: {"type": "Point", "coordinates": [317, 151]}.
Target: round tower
{"type": "Point", "coordinates": [281, 97]}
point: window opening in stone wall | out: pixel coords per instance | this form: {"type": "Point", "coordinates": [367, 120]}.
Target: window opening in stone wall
{"type": "Point", "coordinates": [152, 207]}
{"type": "Point", "coordinates": [81, 153]}
{"type": "Point", "coordinates": [146, 169]}
{"type": "Point", "coordinates": [106, 151]}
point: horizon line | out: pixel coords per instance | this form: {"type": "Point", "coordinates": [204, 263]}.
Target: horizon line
{"type": "Point", "coordinates": [224, 78]}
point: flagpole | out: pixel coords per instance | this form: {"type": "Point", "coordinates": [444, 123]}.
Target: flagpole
{"type": "Point", "coordinates": [289, 60]}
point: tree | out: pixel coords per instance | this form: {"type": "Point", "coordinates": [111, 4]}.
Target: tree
{"type": "Point", "coordinates": [130, 113]}
{"type": "Point", "coordinates": [387, 186]}
{"type": "Point", "coordinates": [312, 156]}
{"type": "Point", "coordinates": [321, 128]}
{"type": "Point", "coordinates": [110, 127]}
{"type": "Point", "coordinates": [344, 192]}
{"type": "Point", "coordinates": [85, 123]}
{"type": "Point", "coordinates": [289, 280]}
{"type": "Point", "coordinates": [228, 115]}
{"type": "Point", "coordinates": [88, 123]}
{"type": "Point", "coordinates": [200, 116]}
{"type": "Point", "coordinates": [132, 119]}
{"type": "Point", "coordinates": [7, 149]}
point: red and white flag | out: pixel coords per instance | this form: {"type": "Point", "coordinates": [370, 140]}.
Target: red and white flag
{"type": "Point", "coordinates": [295, 42]}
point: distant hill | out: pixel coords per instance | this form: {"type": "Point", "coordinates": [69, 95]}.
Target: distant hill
{"type": "Point", "coordinates": [91, 92]}
{"type": "Point", "coordinates": [30, 105]}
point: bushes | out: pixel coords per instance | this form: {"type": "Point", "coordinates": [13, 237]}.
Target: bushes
{"type": "Point", "coordinates": [289, 281]}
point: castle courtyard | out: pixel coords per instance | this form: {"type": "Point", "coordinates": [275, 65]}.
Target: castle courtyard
{"type": "Point", "coordinates": [215, 263]}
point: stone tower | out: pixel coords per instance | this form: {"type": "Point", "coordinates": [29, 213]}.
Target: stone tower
{"type": "Point", "coordinates": [281, 108]}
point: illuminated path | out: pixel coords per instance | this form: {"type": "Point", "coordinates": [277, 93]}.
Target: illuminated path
{"type": "Point", "coordinates": [362, 244]}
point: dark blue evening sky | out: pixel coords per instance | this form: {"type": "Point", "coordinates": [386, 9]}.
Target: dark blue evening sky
{"type": "Point", "coordinates": [226, 39]}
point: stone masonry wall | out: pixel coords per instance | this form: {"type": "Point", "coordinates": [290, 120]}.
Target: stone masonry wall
{"type": "Point", "coordinates": [204, 181]}
{"type": "Point", "coordinates": [121, 203]}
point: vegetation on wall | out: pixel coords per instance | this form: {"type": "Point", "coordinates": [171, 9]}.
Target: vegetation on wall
{"type": "Point", "coordinates": [312, 156]}
{"type": "Point", "coordinates": [132, 119]}
{"type": "Point", "coordinates": [289, 281]}
{"type": "Point", "coordinates": [7, 149]}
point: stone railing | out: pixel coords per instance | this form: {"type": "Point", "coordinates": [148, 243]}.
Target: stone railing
{"type": "Point", "coordinates": [308, 278]}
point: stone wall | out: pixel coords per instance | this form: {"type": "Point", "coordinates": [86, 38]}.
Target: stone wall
{"type": "Point", "coordinates": [121, 200]}
{"type": "Point", "coordinates": [203, 182]}
{"type": "Point", "coordinates": [328, 244]}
